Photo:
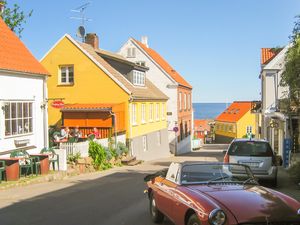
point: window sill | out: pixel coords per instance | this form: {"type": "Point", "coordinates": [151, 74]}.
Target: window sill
{"type": "Point", "coordinates": [143, 122]}
{"type": "Point", "coordinates": [17, 135]}
{"type": "Point", "coordinates": [66, 84]}
{"type": "Point", "coordinates": [134, 124]}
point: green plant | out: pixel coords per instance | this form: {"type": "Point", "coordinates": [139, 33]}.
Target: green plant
{"type": "Point", "coordinates": [121, 148]}
{"type": "Point", "coordinates": [294, 172]}
{"type": "Point", "coordinates": [72, 158]}
{"type": "Point", "coordinates": [99, 155]}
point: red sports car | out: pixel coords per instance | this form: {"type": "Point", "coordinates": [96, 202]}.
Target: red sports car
{"type": "Point", "coordinates": [217, 194]}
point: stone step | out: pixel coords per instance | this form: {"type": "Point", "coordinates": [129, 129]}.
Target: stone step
{"type": "Point", "coordinates": [128, 159]}
{"type": "Point", "coordinates": [135, 162]}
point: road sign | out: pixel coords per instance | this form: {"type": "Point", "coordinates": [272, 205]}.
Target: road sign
{"type": "Point", "coordinates": [287, 147]}
{"type": "Point", "coordinates": [175, 129]}
{"type": "Point", "coordinates": [58, 104]}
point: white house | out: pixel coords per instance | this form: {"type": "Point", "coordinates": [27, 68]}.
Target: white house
{"type": "Point", "coordinates": [274, 122]}
{"type": "Point", "coordinates": [23, 91]}
{"type": "Point", "coordinates": [172, 84]}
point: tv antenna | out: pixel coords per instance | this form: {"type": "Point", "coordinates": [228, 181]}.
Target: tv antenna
{"type": "Point", "coordinates": [81, 29]}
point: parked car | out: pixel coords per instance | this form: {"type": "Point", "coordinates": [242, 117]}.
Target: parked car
{"type": "Point", "coordinates": [256, 153]}
{"type": "Point", "coordinates": [216, 194]}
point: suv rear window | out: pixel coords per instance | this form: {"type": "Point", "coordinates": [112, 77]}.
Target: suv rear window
{"type": "Point", "coordinates": [250, 148]}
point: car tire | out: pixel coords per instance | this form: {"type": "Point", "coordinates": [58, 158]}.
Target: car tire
{"type": "Point", "coordinates": [193, 220]}
{"type": "Point", "coordinates": [156, 215]}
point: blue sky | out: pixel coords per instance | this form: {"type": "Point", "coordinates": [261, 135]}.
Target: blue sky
{"type": "Point", "coordinates": [214, 44]}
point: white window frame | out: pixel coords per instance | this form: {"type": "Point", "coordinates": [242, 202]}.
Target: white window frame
{"type": "Point", "coordinates": [151, 112]}
{"type": "Point", "coordinates": [144, 140]}
{"type": "Point", "coordinates": [131, 52]}
{"type": "Point", "coordinates": [143, 113]}
{"type": "Point", "coordinates": [138, 78]}
{"type": "Point", "coordinates": [163, 111]}
{"type": "Point", "coordinates": [134, 114]}
{"type": "Point", "coordinates": [180, 105]}
{"type": "Point", "coordinates": [157, 112]}
{"type": "Point", "coordinates": [159, 137]}
{"type": "Point", "coordinates": [67, 67]}
{"type": "Point", "coordinates": [185, 101]}
{"type": "Point", "coordinates": [19, 122]}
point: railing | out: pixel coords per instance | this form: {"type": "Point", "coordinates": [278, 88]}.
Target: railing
{"type": "Point", "coordinates": [83, 147]}
{"type": "Point", "coordinates": [104, 132]}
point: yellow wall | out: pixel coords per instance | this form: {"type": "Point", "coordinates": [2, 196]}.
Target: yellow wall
{"type": "Point", "coordinates": [149, 126]}
{"type": "Point", "coordinates": [223, 129]}
{"type": "Point", "coordinates": [247, 120]}
{"type": "Point", "coordinates": [91, 84]}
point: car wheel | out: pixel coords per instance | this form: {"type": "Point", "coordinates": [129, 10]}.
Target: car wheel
{"type": "Point", "coordinates": [156, 215]}
{"type": "Point", "coordinates": [193, 220]}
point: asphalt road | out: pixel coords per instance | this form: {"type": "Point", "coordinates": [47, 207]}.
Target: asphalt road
{"type": "Point", "coordinates": [114, 199]}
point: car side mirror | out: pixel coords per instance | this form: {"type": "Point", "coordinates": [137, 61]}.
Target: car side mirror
{"type": "Point", "coordinates": [224, 152]}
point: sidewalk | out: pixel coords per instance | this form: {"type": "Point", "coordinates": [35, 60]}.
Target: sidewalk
{"type": "Point", "coordinates": [286, 185]}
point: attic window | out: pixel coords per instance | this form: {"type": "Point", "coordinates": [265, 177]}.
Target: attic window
{"type": "Point", "coordinates": [131, 53]}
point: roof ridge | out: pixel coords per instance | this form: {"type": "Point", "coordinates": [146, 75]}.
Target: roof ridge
{"type": "Point", "coordinates": [163, 64]}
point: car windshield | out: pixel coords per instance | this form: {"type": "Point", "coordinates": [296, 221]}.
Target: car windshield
{"type": "Point", "coordinates": [216, 173]}
{"type": "Point", "coordinates": [250, 148]}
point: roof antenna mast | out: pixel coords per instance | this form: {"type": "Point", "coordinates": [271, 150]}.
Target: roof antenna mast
{"type": "Point", "coordinates": [81, 29]}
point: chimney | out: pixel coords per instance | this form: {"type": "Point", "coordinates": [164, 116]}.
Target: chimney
{"type": "Point", "coordinates": [92, 39]}
{"type": "Point", "coordinates": [145, 41]}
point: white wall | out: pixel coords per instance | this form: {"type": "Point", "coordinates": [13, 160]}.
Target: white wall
{"type": "Point", "coordinates": [159, 79]}
{"type": "Point", "coordinates": [25, 88]}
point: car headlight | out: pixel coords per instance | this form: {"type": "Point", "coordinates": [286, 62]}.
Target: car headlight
{"type": "Point", "coordinates": [217, 217]}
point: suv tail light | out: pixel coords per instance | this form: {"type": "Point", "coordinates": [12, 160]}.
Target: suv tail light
{"type": "Point", "coordinates": [226, 158]}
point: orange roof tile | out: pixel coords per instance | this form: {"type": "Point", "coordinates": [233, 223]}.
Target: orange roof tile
{"type": "Point", "coordinates": [14, 55]}
{"type": "Point", "coordinates": [234, 112]}
{"type": "Point", "coordinates": [164, 64]}
{"type": "Point", "coordinates": [267, 55]}
{"type": "Point", "coordinates": [201, 125]}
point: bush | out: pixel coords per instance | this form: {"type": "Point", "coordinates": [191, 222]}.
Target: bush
{"type": "Point", "coordinates": [121, 148]}
{"type": "Point", "coordinates": [72, 158]}
{"type": "Point", "coordinates": [100, 156]}
{"type": "Point", "coordinates": [294, 172]}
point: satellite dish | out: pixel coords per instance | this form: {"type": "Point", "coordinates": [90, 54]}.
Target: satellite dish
{"type": "Point", "coordinates": [81, 32]}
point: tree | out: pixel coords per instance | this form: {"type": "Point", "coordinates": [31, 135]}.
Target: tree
{"type": "Point", "coordinates": [291, 75]}
{"type": "Point", "coordinates": [14, 17]}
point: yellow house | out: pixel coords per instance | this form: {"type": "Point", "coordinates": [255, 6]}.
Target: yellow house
{"type": "Point", "coordinates": [104, 90]}
{"type": "Point", "coordinates": [235, 122]}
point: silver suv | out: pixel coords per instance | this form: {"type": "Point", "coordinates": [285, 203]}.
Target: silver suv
{"type": "Point", "coordinates": [255, 153]}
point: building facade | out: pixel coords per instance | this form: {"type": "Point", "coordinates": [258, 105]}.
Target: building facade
{"type": "Point", "coordinates": [23, 95]}
{"type": "Point", "coordinates": [235, 122]}
{"type": "Point", "coordinates": [275, 119]}
{"type": "Point", "coordinates": [172, 84]}
{"type": "Point", "coordinates": [104, 90]}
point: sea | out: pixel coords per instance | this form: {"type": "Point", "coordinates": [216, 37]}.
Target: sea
{"type": "Point", "coordinates": [208, 110]}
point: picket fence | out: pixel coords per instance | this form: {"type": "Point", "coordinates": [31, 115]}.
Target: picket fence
{"type": "Point", "coordinates": [83, 147]}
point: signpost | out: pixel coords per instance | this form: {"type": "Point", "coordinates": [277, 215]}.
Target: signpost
{"type": "Point", "coordinates": [175, 129]}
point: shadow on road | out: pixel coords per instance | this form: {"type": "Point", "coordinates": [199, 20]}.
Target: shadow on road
{"type": "Point", "coordinates": [115, 199]}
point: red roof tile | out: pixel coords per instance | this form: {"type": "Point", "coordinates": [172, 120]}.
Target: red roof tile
{"type": "Point", "coordinates": [267, 55]}
{"type": "Point", "coordinates": [234, 112]}
{"type": "Point", "coordinates": [14, 55]}
{"type": "Point", "coordinates": [164, 64]}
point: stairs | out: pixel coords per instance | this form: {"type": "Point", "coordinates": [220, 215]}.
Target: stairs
{"type": "Point", "coordinates": [130, 161]}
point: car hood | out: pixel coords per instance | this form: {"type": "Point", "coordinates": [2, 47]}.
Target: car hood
{"type": "Point", "coordinates": [252, 203]}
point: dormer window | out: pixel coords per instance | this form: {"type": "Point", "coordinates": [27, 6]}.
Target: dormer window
{"type": "Point", "coordinates": [138, 78]}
